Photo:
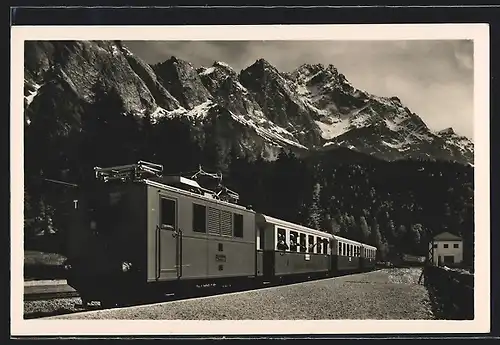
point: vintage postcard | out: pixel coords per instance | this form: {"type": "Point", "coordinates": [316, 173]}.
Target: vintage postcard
{"type": "Point", "coordinates": [250, 180]}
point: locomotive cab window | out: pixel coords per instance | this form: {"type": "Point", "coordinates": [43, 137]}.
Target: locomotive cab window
{"type": "Point", "coordinates": [238, 225]}
{"type": "Point", "coordinates": [199, 218]}
{"type": "Point", "coordinates": [167, 216]}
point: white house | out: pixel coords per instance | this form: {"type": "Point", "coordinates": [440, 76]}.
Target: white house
{"type": "Point", "coordinates": [448, 249]}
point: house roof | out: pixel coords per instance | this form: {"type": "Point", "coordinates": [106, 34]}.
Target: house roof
{"type": "Point", "coordinates": [446, 236]}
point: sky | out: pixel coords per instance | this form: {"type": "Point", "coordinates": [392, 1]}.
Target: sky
{"type": "Point", "coordinates": [434, 79]}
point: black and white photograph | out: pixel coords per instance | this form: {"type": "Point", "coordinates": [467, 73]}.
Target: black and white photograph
{"type": "Point", "coordinates": [334, 180]}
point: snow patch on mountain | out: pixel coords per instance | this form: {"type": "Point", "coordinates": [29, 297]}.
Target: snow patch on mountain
{"type": "Point", "coordinates": [330, 131]}
{"type": "Point", "coordinates": [392, 125]}
{"type": "Point", "coordinates": [397, 146]}
{"type": "Point", "coordinates": [33, 92]}
{"type": "Point", "coordinates": [273, 133]}
{"type": "Point", "coordinates": [223, 64]}
{"type": "Point", "coordinates": [114, 50]}
{"type": "Point", "coordinates": [208, 71]}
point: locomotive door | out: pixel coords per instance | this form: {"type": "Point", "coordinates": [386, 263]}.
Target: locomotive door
{"type": "Point", "coordinates": [168, 238]}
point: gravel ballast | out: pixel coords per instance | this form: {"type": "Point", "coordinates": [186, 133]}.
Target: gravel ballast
{"type": "Point", "coordinates": [57, 306]}
{"type": "Point", "coordinates": [389, 294]}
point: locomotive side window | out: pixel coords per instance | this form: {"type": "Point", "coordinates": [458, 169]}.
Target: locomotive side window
{"type": "Point", "coordinates": [310, 244]}
{"type": "Point", "coordinates": [293, 241]}
{"type": "Point", "coordinates": [303, 243]}
{"type": "Point", "coordinates": [199, 218]}
{"type": "Point", "coordinates": [167, 216]}
{"type": "Point", "coordinates": [238, 225]}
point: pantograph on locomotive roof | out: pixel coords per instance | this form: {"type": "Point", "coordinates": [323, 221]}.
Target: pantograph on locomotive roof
{"type": "Point", "coordinates": [146, 170]}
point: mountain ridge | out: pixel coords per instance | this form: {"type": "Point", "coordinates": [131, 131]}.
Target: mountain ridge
{"type": "Point", "coordinates": [312, 108]}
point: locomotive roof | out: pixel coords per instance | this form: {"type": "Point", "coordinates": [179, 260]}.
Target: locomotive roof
{"type": "Point", "coordinates": [167, 187]}
{"type": "Point", "coordinates": [292, 226]}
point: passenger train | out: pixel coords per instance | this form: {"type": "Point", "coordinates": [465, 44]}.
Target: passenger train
{"type": "Point", "coordinates": [138, 233]}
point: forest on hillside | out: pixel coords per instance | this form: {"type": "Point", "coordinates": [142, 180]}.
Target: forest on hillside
{"type": "Point", "coordinates": [396, 206]}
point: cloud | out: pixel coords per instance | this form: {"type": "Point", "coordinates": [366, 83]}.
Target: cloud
{"type": "Point", "coordinates": [433, 78]}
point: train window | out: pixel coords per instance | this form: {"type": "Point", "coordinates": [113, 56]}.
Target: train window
{"type": "Point", "coordinates": [325, 246]}
{"type": "Point", "coordinates": [303, 247]}
{"type": "Point", "coordinates": [199, 218]}
{"type": "Point", "coordinates": [293, 241]}
{"type": "Point", "coordinates": [260, 238]}
{"type": "Point", "coordinates": [339, 245]}
{"type": "Point", "coordinates": [238, 225]}
{"type": "Point", "coordinates": [167, 213]}
{"type": "Point", "coordinates": [319, 245]}
{"type": "Point", "coordinates": [281, 242]}
{"type": "Point", "coordinates": [310, 244]}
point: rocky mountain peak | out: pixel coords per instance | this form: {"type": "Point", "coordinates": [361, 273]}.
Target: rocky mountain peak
{"type": "Point", "coordinates": [447, 131]}
{"type": "Point", "coordinates": [182, 81]}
